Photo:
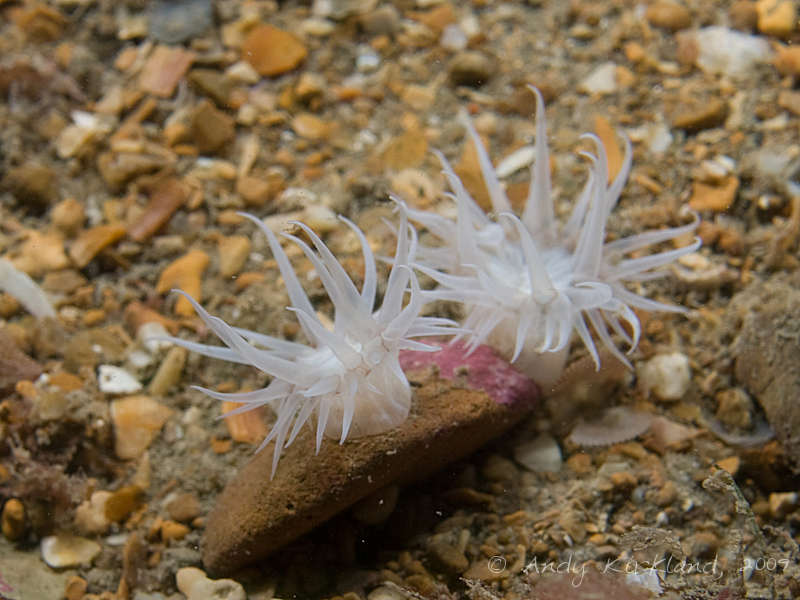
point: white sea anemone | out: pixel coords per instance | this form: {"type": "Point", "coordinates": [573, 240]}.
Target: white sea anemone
{"type": "Point", "coordinates": [348, 380]}
{"type": "Point", "coordinates": [528, 283]}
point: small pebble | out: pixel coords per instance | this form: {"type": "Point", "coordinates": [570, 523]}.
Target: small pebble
{"type": "Point", "coordinates": [40, 253]}
{"type": "Point", "coordinates": [702, 116]}
{"type": "Point", "coordinates": [310, 126]}
{"type": "Point", "coordinates": [782, 503]}
{"type": "Point", "coordinates": [384, 20]}
{"type": "Point", "coordinates": [168, 197]}
{"type": "Point", "coordinates": [667, 375]}
{"type": "Point", "coordinates": [453, 38]}
{"type": "Point", "coordinates": [32, 184]}
{"type": "Point", "coordinates": [170, 530]}
{"type": "Point", "coordinates": [123, 502]}
{"type": "Point", "coordinates": [196, 585]}
{"type": "Point", "coordinates": [734, 408]}
{"type": "Point", "coordinates": [185, 274]}
{"type": "Point", "coordinates": [714, 198]}
{"type": "Point", "coordinates": [787, 61]}
{"type": "Point", "coordinates": [211, 129]}
{"type": "Point", "coordinates": [90, 516]}
{"type": "Point", "coordinates": [75, 588]}
{"type": "Point", "coordinates": [470, 68]}
{"type": "Point", "coordinates": [669, 15]}
{"type": "Point", "coordinates": [176, 21]}
{"type": "Point", "coordinates": [776, 17]}
{"type": "Point", "coordinates": [184, 507]}
{"type": "Point", "coordinates": [169, 372]}
{"type": "Point", "coordinates": [91, 241]}
{"type": "Point", "coordinates": [68, 216]}
{"type": "Point", "coordinates": [272, 51]}
{"type": "Point", "coordinates": [164, 69]}
{"type": "Point", "coordinates": [248, 427]}
{"type": "Point", "coordinates": [603, 80]}
{"type": "Point", "coordinates": [118, 168]}
{"type": "Point", "coordinates": [254, 191]}
{"type": "Point", "coordinates": [340, 9]}
{"type": "Point", "coordinates": [12, 520]}
{"type": "Point", "coordinates": [744, 15]}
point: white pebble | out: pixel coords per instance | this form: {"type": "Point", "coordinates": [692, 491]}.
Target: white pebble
{"type": "Point", "coordinates": [656, 136]}
{"type": "Point", "coordinates": [603, 80]}
{"type": "Point", "coordinates": [367, 60]}
{"type": "Point", "coordinates": [453, 38]}
{"type": "Point", "coordinates": [195, 585]}
{"type": "Point", "coordinates": [116, 380]}
{"type": "Point", "coordinates": [666, 375]}
{"type": "Point", "coordinates": [728, 52]}
{"type": "Point", "coordinates": [139, 359]}
{"type": "Point", "coordinates": [540, 454]}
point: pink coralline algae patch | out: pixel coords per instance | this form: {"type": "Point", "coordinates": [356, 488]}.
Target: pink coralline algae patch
{"type": "Point", "coordinates": [482, 369]}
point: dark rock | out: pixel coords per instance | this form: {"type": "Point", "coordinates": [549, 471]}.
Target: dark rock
{"type": "Point", "coordinates": [768, 356]}
{"type": "Point", "coordinates": [255, 516]}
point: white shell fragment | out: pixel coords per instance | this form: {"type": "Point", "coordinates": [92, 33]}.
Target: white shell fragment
{"type": "Point", "coordinates": [24, 289]}
{"type": "Point", "coordinates": [116, 380]}
{"type": "Point", "coordinates": [519, 159]}
{"type": "Point", "coordinates": [618, 424]}
{"type": "Point", "coordinates": [195, 585]}
{"type": "Point", "coordinates": [64, 550]}
{"type": "Point", "coordinates": [540, 454]}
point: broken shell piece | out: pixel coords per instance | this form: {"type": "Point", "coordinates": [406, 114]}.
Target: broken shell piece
{"type": "Point", "coordinates": [184, 273]}
{"type": "Point", "coordinates": [116, 380]}
{"type": "Point", "coordinates": [137, 421]}
{"type": "Point", "coordinates": [25, 290]}
{"type": "Point", "coordinates": [665, 434]}
{"type": "Point", "coordinates": [64, 550]}
{"type": "Point", "coordinates": [617, 424]}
